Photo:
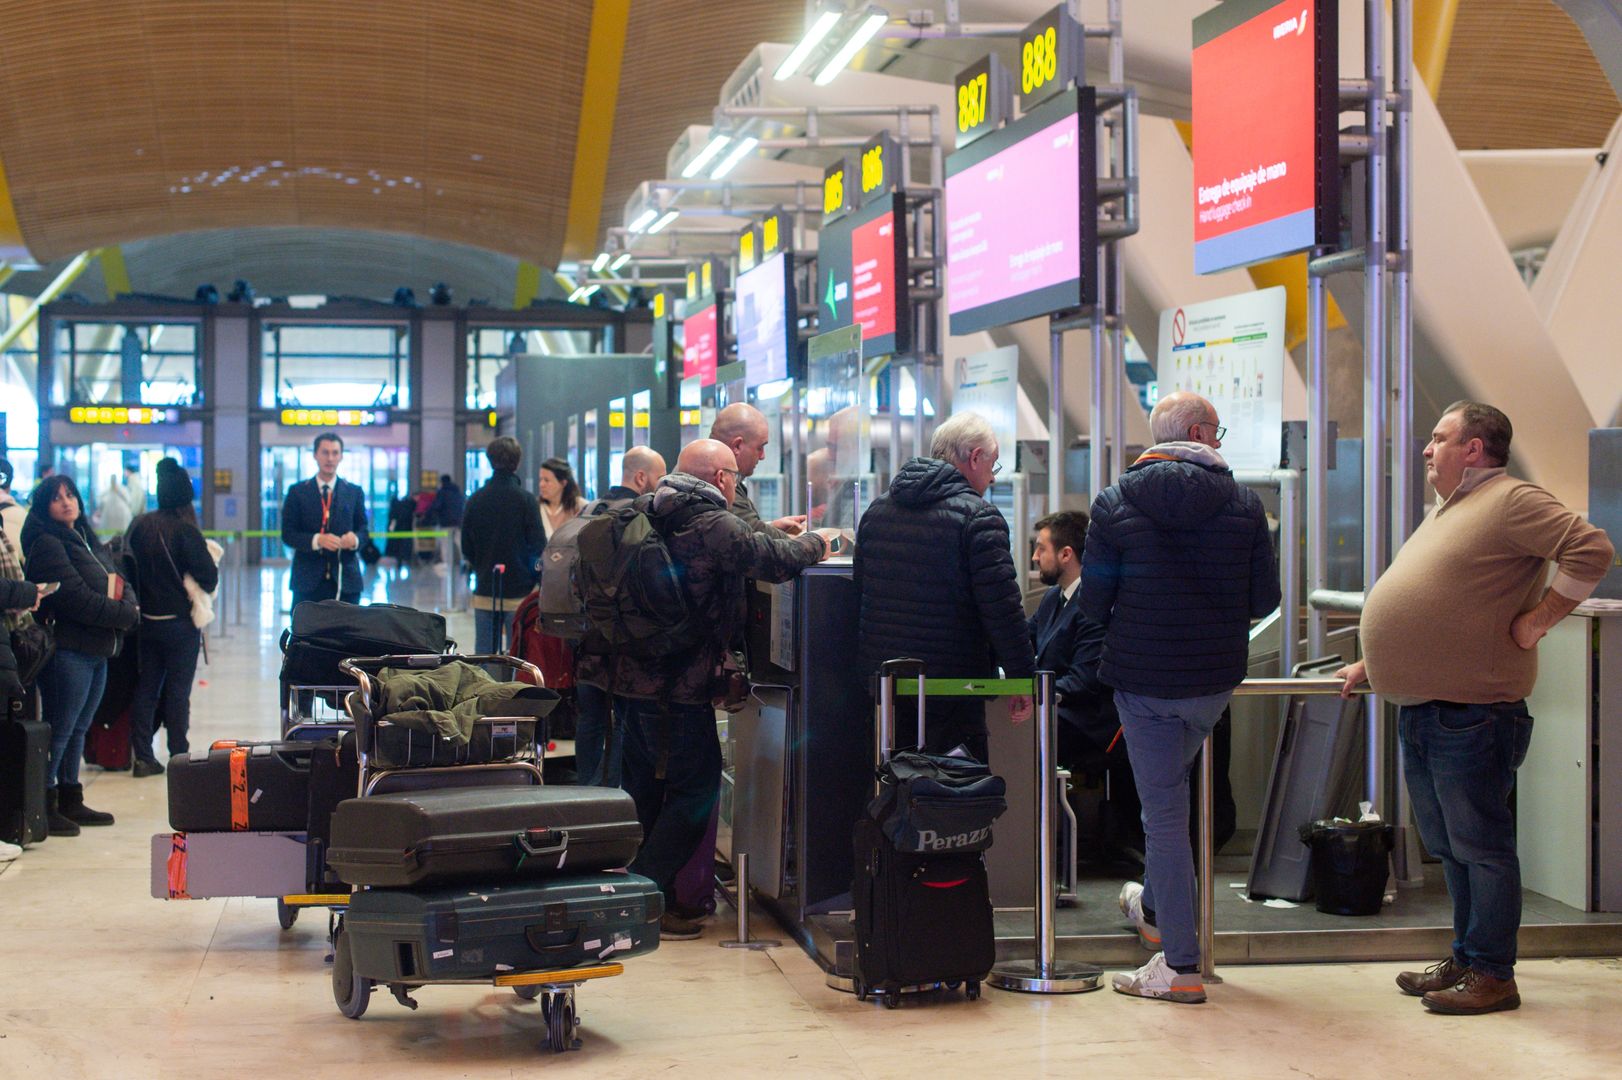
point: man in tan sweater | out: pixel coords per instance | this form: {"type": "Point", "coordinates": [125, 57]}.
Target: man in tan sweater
{"type": "Point", "coordinates": [1449, 635]}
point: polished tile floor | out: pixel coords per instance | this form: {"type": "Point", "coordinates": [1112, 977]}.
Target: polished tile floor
{"type": "Point", "coordinates": [97, 979]}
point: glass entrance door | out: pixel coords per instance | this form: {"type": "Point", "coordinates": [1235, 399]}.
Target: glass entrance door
{"type": "Point", "coordinates": [95, 467]}
{"type": "Point", "coordinates": [381, 471]}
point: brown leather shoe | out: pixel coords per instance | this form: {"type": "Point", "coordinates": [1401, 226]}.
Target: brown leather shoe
{"type": "Point", "coordinates": [1476, 993]}
{"type": "Point", "coordinates": [1439, 976]}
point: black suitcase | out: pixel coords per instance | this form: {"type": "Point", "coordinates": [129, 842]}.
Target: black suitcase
{"type": "Point", "coordinates": [258, 787]}
{"type": "Point", "coordinates": [325, 632]}
{"type": "Point", "coordinates": [457, 932]}
{"type": "Point", "coordinates": [920, 919]}
{"type": "Point", "coordinates": [482, 834]}
{"type": "Point", "coordinates": [25, 754]}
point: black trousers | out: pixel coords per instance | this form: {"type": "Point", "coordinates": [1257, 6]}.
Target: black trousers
{"type": "Point", "coordinates": [169, 649]}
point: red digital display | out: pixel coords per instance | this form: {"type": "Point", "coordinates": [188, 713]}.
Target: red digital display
{"type": "Point", "coordinates": [700, 346]}
{"type": "Point", "coordinates": [872, 280]}
{"type": "Point", "coordinates": [1257, 138]}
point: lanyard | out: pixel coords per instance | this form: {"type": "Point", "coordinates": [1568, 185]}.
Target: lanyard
{"type": "Point", "coordinates": [326, 504]}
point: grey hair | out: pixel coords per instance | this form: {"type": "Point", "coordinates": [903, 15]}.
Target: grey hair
{"type": "Point", "coordinates": [958, 438]}
{"type": "Point", "coordinates": [1174, 414]}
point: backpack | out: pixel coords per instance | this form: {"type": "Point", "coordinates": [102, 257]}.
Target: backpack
{"type": "Point", "coordinates": [561, 606]}
{"type": "Point", "coordinates": [629, 585]}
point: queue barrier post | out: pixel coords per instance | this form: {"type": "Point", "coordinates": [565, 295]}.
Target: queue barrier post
{"type": "Point", "coordinates": [740, 903]}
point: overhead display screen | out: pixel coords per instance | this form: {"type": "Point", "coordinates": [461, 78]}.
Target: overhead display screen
{"type": "Point", "coordinates": [857, 280]}
{"type": "Point", "coordinates": [767, 336]}
{"type": "Point", "coordinates": [701, 345]}
{"type": "Point", "coordinates": [1022, 218]}
{"type": "Point", "coordinates": [1265, 178]}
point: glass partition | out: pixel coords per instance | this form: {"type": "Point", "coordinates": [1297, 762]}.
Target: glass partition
{"type": "Point", "coordinates": [586, 475]}
{"type": "Point", "coordinates": [102, 363]}
{"type": "Point", "coordinates": [616, 439]}
{"type": "Point", "coordinates": [641, 417]}
{"type": "Point", "coordinates": [838, 463]}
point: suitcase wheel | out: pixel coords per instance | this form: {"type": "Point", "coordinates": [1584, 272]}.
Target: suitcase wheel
{"type": "Point", "coordinates": [892, 998]}
{"type": "Point", "coordinates": [528, 993]}
{"type": "Point", "coordinates": [972, 991]}
{"type": "Point", "coordinates": [352, 992]}
{"type": "Point", "coordinates": [286, 914]}
{"type": "Point", "coordinates": [561, 1022]}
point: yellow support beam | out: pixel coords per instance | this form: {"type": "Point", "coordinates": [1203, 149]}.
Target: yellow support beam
{"type": "Point", "coordinates": [527, 286]}
{"type": "Point", "coordinates": [6, 270]}
{"type": "Point", "coordinates": [113, 271]}
{"type": "Point", "coordinates": [11, 234]}
{"type": "Point", "coordinates": [594, 131]}
{"type": "Point", "coordinates": [1433, 34]}
{"type": "Point", "coordinates": [67, 277]}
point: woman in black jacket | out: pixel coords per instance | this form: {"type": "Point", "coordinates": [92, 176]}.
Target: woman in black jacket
{"type": "Point", "coordinates": [166, 544]}
{"type": "Point", "coordinates": [91, 611]}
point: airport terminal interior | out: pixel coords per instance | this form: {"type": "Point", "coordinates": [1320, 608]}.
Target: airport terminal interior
{"type": "Point", "coordinates": [596, 233]}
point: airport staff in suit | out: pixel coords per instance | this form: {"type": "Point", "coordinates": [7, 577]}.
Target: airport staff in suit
{"type": "Point", "coordinates": [1069, 644]}
{"type": "Point", "coordinates": [324, 523]}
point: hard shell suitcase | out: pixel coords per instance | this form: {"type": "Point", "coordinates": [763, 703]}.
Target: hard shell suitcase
{"type": "Point", "coordinates": [263, 787]}
{"type": "Point", "coordinates": [460, 932]}
{"type": "Point", "coordinates": [25, 754]}
{"type": "Point", "coordinates": [494, 834]}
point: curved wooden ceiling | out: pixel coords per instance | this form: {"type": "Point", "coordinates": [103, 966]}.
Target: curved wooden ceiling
{"type": "Point", "coordinates": [1521, 76]}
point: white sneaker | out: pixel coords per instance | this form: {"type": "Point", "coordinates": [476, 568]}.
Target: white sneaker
{"type": "Point", "coordinates": [1156, 979]}
{"type": "Point", "coordinates": [1131, 901]}
{"type": "Point", "coordinates": [9, 851]}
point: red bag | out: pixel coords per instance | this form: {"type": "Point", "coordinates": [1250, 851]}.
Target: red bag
{"type": "Point", "coordinates": [108, 745]}
{"type": "Point", "coordinates": [551, 654]}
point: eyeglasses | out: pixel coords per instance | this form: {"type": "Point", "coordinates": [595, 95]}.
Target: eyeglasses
{"type": "Point", "coordinates": [734, 473]}
{"type": "Point", "coordinates": [1217, 430]}
{"type": "Point", "coordinates": [997, 468]}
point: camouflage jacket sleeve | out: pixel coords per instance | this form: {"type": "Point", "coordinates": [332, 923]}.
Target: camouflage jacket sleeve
{"type": "Point", "coordinates": [755, 554]}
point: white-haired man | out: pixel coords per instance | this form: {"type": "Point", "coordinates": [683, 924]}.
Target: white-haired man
{"type": "Point", "coordinates": [1178, 561]}
{"type": "Point", "coordinates": [937, 582]}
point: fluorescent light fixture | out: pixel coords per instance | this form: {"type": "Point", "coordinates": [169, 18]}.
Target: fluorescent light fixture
{"type": "Point", "coordinates": [644, 219]}
{"type": "Point", "coordinates": [871, 24]}
{"type": "Point", "coordinates": [586, 293]}
{"type": "Point", "coordinates": [576, 294]}
{"type": "Point", "coordinates": [625, 257]}
{"type": "Point", "coordinates": [599, 262]}
{"type": "Point", "coordinates": [813, 37]}
{"type": "Point", "coordinates": [739, 152]}
{"type": "Point", "coordinates": [702, 159]}
{"type": "Point", "coordinates": [658, 226]}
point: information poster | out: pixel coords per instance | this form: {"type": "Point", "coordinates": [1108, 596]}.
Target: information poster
{"type": "Point", "coordinates": [1259, 144]}
{"type": "Point", "coordinates": [1231, 352]}
{"type": "Point", "coordinates": [700, 346]}
{"type": "Point", "coordinates": [988, 384]}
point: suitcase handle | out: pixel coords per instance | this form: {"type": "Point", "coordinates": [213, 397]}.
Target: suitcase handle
{"type": "Point", "coordinates": [533, 936]}
{"type": "Point", "coordinates": [554, 841]}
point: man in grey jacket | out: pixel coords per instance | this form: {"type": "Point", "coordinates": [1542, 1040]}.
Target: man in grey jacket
{"type": "Point", "coordinates": [744, 431]}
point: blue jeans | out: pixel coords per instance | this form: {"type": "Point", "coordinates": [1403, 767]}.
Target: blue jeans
{"type": "Point", "coordinates": [1163, 740]}
{"type": "Point", "coordinates": [598, 742]}
{"type": "Point", "coordinates": [673, 772]}
{"type": "Point", "coordinates": [169, 650]}
{"type": "Point", "coordinates": [70, 689]}
{"type": "Point", "coordinates": [1461, 762]}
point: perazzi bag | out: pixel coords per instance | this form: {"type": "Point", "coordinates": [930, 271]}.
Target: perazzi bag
{"type": "Point", "coordinates": [935, 803]}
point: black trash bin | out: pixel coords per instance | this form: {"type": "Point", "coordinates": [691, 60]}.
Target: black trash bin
{"type": "Point", "coordinates": [1349, 864]}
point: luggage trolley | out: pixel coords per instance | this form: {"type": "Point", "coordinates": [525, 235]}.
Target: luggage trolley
{"type": "Point", "coordinates": [391, 759]}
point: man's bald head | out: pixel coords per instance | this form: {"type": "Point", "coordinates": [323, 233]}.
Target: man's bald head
{"type": "Point", "coordinates": [1184, 416]}
{"type": "Point", "coordinates": [744, 431]}
{"type": "Point", "coordinates": [713, 462]}
{"type": "Point", "coordinates": [641, 469]}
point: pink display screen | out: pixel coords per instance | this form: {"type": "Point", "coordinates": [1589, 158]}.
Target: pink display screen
{"type": "Point", "coordinates": [700, 346]}
{"type": "Point", "coordinates": [1014, 229]}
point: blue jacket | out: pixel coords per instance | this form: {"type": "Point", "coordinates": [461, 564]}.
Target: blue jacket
{"type": "Point", "coordinates": [1069, 644]}
{"type": "Point", "coordinates": [936, 578]}
{"type": "Point", "coordinates": [1178, 561]}
{"type": "Point", "coordinates": [301, 520]}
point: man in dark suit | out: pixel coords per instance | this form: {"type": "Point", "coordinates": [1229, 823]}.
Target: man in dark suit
{"type": "Point", "coordinates": [324, 523]}
{"type": "Point", "coordinates": [1068, 644]}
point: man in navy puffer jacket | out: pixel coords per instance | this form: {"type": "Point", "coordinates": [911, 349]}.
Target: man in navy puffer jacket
{"type": "Point", "coordinates": [937, 582]}
{"type": "Point", "coordinates": [1178, 561]}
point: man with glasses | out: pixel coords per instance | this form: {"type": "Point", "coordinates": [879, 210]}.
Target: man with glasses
{"type": "Point", "coordinates": [1178, 561]}
{"type": "Point", "coordinates": [664, 704]}
{"type": "Point", "coordinates": [937, 582]}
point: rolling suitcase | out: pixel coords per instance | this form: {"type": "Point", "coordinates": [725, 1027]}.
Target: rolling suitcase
{"type": "Point", "coordinates": [107, 744]}
{"type": "Point", "coordinates": [492, 834]}
{"type": "Point", "coordinates": [25, 754]}
{"type": "Point", "coordinates": [263, 787]}
{"type": "Point", "coordinates": [457, 932]}
{"type": "Point", "coordinates": [924, 915]}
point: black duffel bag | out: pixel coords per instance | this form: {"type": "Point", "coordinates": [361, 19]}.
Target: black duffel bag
{"type": "Point", "coordinates": [326, 632]}
{"type": "Point", "coordinates": [936, 803]}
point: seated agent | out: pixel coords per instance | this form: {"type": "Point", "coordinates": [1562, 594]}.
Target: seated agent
{"type": "Point", "coordinates": [936, 579]}
{"type": "Point", "coordinates": [324, 523]}
{"type": "Point", "coordinates": [1450, 635]}
{"type": "Point", "coordinates": [597, 741]}
{"type": "Point", "coordinates": [664, 704]}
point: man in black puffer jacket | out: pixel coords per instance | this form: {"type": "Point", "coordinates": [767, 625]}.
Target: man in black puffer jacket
{"type": "Point", "coordinates": [1178, 561]}
{"type": "Point", "coordinates": [937, 582]}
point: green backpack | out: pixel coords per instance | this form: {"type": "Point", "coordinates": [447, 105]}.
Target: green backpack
{"type": "Point", "coordinates": [630, 585]}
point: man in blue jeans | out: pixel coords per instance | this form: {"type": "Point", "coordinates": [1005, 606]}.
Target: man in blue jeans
{"type": "Point", "coordinates": [1178, 561]}
{"type": "Point", "coordinates": [1449, 634]}
{"type": "Point", "coordinates": [672, 757]}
